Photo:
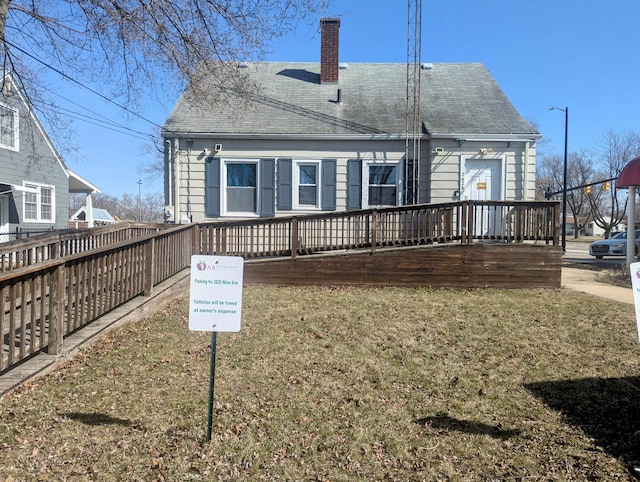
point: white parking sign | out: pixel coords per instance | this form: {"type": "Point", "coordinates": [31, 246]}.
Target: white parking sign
{"type": "Point", "coordinates": [216, 293]}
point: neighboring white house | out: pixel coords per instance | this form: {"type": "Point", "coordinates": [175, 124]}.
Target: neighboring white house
{"type": "Point", "coordinates": [34, 181]}
{"type": "Point", "coordinates": [101, 217]}
{"type": "Point", "coordinates": [329, 136]}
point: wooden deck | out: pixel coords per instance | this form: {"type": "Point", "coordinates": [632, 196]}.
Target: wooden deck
{"type": "Point", "coordinates": [495, 265]}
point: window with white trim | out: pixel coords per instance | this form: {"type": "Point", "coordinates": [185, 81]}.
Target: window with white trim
{"type": "Point", "coordinates": [307, 184]}
{"type": "Point", "coordinates": [240, 187]}
{"type": "Point", "coordinates": [8, 127]}
{"type": "Point", "coordinates": [39, 202]}
{"type": "Point", "coordinates": [382, 186]}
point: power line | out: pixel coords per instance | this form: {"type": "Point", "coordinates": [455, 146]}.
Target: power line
{"type": "Point", "coordinates": [97, 122]}
{"type": "Point", "coordinates": [99, 119]}
{"type": "Point", "coordinates": [81, 84]}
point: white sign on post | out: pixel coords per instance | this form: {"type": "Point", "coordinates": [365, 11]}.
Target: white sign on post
{"type": "Point", "coordinates": [216, 293]}
{"type": "Point", "coordinates": [634, 269]}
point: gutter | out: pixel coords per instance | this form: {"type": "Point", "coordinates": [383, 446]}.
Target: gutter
{"type": "Point", "coordinates": [355, 137]}
{"type": "Point", "coordinates": [310, 137]}
{"type": "Point", "coordinates": [487, 137]}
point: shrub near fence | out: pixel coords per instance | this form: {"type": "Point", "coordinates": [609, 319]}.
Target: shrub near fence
{"type": "Point", "coordinates": [55, 285]}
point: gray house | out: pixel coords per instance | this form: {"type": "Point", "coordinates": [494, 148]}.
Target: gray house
{"type": "Point", "coordinates": [330, 136]}
{"type": "Point", "coordinates": [34, 181]}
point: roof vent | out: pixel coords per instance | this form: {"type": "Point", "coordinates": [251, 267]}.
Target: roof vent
{"type": "Point", "coordinates": [343, 66]}
{"type": "Point", "coordinates": [426, 66]}
{"type": "Point", "coordinates": [243, 65]}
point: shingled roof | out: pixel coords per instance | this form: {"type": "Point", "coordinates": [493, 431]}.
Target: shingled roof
{"type": "Point", "coordinates": [456, 99]}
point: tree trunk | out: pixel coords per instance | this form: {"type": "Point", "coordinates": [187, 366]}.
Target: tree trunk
{"type": "Point", "coordinates": [4, 11]}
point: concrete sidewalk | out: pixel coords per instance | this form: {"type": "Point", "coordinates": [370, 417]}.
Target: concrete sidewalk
{"type": "Point", "coordinates": [584, 280]}
{"type": "Point", "coordinates": [572, 278]}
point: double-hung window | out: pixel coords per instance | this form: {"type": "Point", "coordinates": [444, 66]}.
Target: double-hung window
{"type": "Point", "coordinates": [241, 187]}
{"type": "Point", "coordinates": [383, 184]}
{"type": "Point", "coordinates": [306, 184]}
{"type": "Point", "coordinates": [39, 203]}
{"type": "Point", "coordinates": [8, 128]}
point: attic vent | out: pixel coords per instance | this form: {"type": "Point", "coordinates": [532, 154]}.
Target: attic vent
{"type": "Point", "coordinates": [426, 66]}
{"type": "Point", "coordinates": [243, 65]}
{"type": "Point", "coordinates": [343, 66]}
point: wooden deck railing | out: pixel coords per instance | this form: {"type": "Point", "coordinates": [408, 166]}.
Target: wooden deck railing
{"type": "Point", "coordinates": [44, 247]}
{"type": "Point", "coordinates": [54, 288]}
{"type": "Point", "coordinates": [465, 222]}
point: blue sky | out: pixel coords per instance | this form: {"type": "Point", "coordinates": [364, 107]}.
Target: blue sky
{"type": "Point", "coordinates": [569, 53]}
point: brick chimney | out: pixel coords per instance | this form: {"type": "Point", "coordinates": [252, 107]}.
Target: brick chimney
{"type": "Point", "coordinates": [329, 28]}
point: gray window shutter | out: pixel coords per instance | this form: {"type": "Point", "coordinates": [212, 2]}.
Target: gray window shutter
{"type": "Point", "coordinates": [329, 184]}
{"type": "Point", "coordinates": [285, 184]}
{"type": "Point", "coordinates": [212, 187]}
{"type": "Point", "coordinates": [267, 188]}
{"type": "Point", "coordinates": [354, 184]}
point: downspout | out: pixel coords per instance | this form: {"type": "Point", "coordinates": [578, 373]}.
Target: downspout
{"type": "Point", "coordinates": [525, 174]}
{"type": "Point", "coordinates": [168, 161]}
{"type": "Point", "coordinates": [175, 155]}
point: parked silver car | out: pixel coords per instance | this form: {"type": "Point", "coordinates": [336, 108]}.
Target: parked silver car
{"type": "Point", "coordinates": [614, 246]}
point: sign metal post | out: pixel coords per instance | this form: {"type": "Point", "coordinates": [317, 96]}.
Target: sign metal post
{"type": "Point", "coordinates": [212, 375]}
{"type": "Point", "coordinates": [215, 305]}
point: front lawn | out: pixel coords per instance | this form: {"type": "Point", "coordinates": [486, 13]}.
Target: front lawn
{"type": "Point", "coordinates": [345, 384]}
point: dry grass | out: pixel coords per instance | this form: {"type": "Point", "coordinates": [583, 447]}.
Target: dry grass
{"type": "Point", "coordinates": [345, 384]}
{"type": "Point", "coordinates": [619, 276]}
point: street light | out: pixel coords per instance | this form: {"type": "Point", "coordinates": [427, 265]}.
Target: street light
{"type": "Point", "coordinates": [564, 178]}
{"type": "Point", "coordinates": [139, 211]}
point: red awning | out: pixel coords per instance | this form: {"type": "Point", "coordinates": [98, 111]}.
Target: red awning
{"type": "Point", "coordinates": [630, 175]}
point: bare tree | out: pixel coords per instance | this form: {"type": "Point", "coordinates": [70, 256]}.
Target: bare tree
{"type": "Point", "coordinates": [580, 172]}
{"type": "Point", "coordinates": [616, 150]}
{"type": "Point", "coordinates": [127, 46]}
{"type": "Point", "coordinates": [607, 206]}
{"type": "Point", "coordinates": [146, 209]}
{"type": "Point", "coordinates": [549, 174]}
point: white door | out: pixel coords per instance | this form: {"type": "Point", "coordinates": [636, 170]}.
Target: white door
{"type": "Point", "coordinates": [482, 179]}
{"type": "Point", "coordinates": [483, 182]}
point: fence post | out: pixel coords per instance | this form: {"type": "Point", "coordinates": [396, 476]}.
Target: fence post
{"type": "Point", "coordinates": [195, 240]}
{"type": "Point", "coordinates": [294, 238]}
{"type": "Point", "coordinates": [149, 267]}
{"type": "Point", "coordinates": [374, 219]}
{"type": "Point", "coordinates": [56, 311]}
{"type": "Point", "coordinates": [556, 225]}
{"type": "Point", "coordinates": [471, 212]}
{"type": "Point", "coordinates": [224, 241]}
{"type": "Point", "coordinates": [462, 222]}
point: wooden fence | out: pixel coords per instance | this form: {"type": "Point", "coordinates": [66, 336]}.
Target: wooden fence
{"type": "Point", "coordinates": [55, 244]}
{"type": "Point", "coordinates": [465, 222]}
{"type": "Point", "coordinates": [53, 286]}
